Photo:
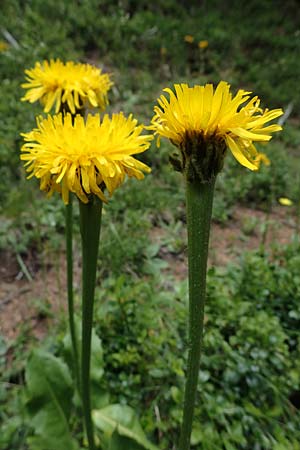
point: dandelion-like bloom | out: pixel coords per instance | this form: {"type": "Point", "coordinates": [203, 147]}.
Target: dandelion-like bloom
{"type": "Point", "coordinates": [3, 46]}
{"type": "Point", "coordinates": [203, 122]}
{"type": "Point", "coordinates": [203, 44]}
{"type": "Point", "coordinates": [71, 84]}
{"type": "Point", "coordinates": [261, 158]}
{"type": "Point", "coordinates": [189, 38]}
{"type": "Point", "coordinates": [285, 201]}
{"type": "Point", "coordinates": [84, 157]}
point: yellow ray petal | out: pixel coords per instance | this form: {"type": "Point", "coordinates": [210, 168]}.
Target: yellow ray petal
{"type": "Point", "coordinates": [239, 155]}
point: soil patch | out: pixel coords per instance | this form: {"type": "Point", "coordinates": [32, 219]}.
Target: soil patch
{"type": "Point", "coordinates": [34, 305]}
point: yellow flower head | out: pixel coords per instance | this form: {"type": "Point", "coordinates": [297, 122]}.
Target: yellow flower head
{"type": "Point", "coordinates": [73, 84]}
{"type": "Point", "coordinates": [3, 46]}
{"type": "Point", "coordinates": [163, 51]}
{"type": "Point", "coordinates": [203, 44]}
{"type": "Point", "coordinates": [84, 157]}
{"type": "Point", "coordinates": [189, 38]}
{"type": "Point", "coordinates": [208, 120]}
{"type": "Point", "coordinates": [285, 201]}
{"type": "Point", "coordinates": [261, 158]}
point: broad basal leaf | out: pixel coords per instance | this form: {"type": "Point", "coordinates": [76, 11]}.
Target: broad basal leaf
{"type": "Point", "coordinates": [49, 393]}
{"type": "Point", "coordinates": [121, 419]}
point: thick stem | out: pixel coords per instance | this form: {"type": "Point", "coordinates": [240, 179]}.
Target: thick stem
{"type": "Point", "coordinates": [199, 200]}
{"type": "Point", "coordinates": [90, 222]}
{"type": "Point", "coordinates": [69, 250]}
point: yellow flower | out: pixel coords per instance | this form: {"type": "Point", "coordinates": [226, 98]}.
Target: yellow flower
{"type": "Point", "coordinates": [203, 44]}
{"type": "Point", "coordinates": [163, 51]}
{"type": "Point", "coordinates": [84, 157]}
{"type": "Point", "coordinates": [189, 39]}
{"type": "Point", "coordinates": [262, 158]}
{"type": "Point", "coordinates": [201, 114]}
{"type": "Point", "coordinates": [285, 201]}
{"type": "Point", "coordinates": [3, 46]}
{"type": "Point", "coordinates": [72, 84]}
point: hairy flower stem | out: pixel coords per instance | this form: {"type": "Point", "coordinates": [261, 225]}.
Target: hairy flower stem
{"type": "Point", "coordinates": [69, 250]}
{"type": "Point", "coordinates": [199, 200]}
{"type": "Point", "coordinates": [90, 222]}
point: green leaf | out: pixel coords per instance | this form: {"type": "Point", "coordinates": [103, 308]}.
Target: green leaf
{"type": "Point", "coordinates": [3, 350]}
{"type": "Point", "coordinates": [228, 445]}
{"type": "Point", "coordinates": [197, 435]}
{"type": "Point", "coordinates": [96, 350]}
{"type": "Point", "coordinates": [49, 394]}
{"type": "Point", "coordinates": [118, 442]}
{"type": "Point", "coordinates": [122, 420]}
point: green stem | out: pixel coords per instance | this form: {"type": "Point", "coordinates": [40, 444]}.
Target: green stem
{"type": "Point", "coordinates": [199, 200]}
{"type": "Point", "coordinates": [69, 249]}
{"type": "Point", "coordinates": [90, 222]}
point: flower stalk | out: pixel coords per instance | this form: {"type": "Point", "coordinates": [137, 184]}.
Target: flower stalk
{"type": "Point", "coordinates": [69, 252]}
{"type": "Point", "coordinates": [90, 223]}
{"type": "Point", "coordinates": [70, 291]}
{"type": "Point", "coordinates": [199, 200]}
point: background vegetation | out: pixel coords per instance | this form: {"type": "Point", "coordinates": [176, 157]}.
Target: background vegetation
{"type": "Point", "coordinates": [249, 389]}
